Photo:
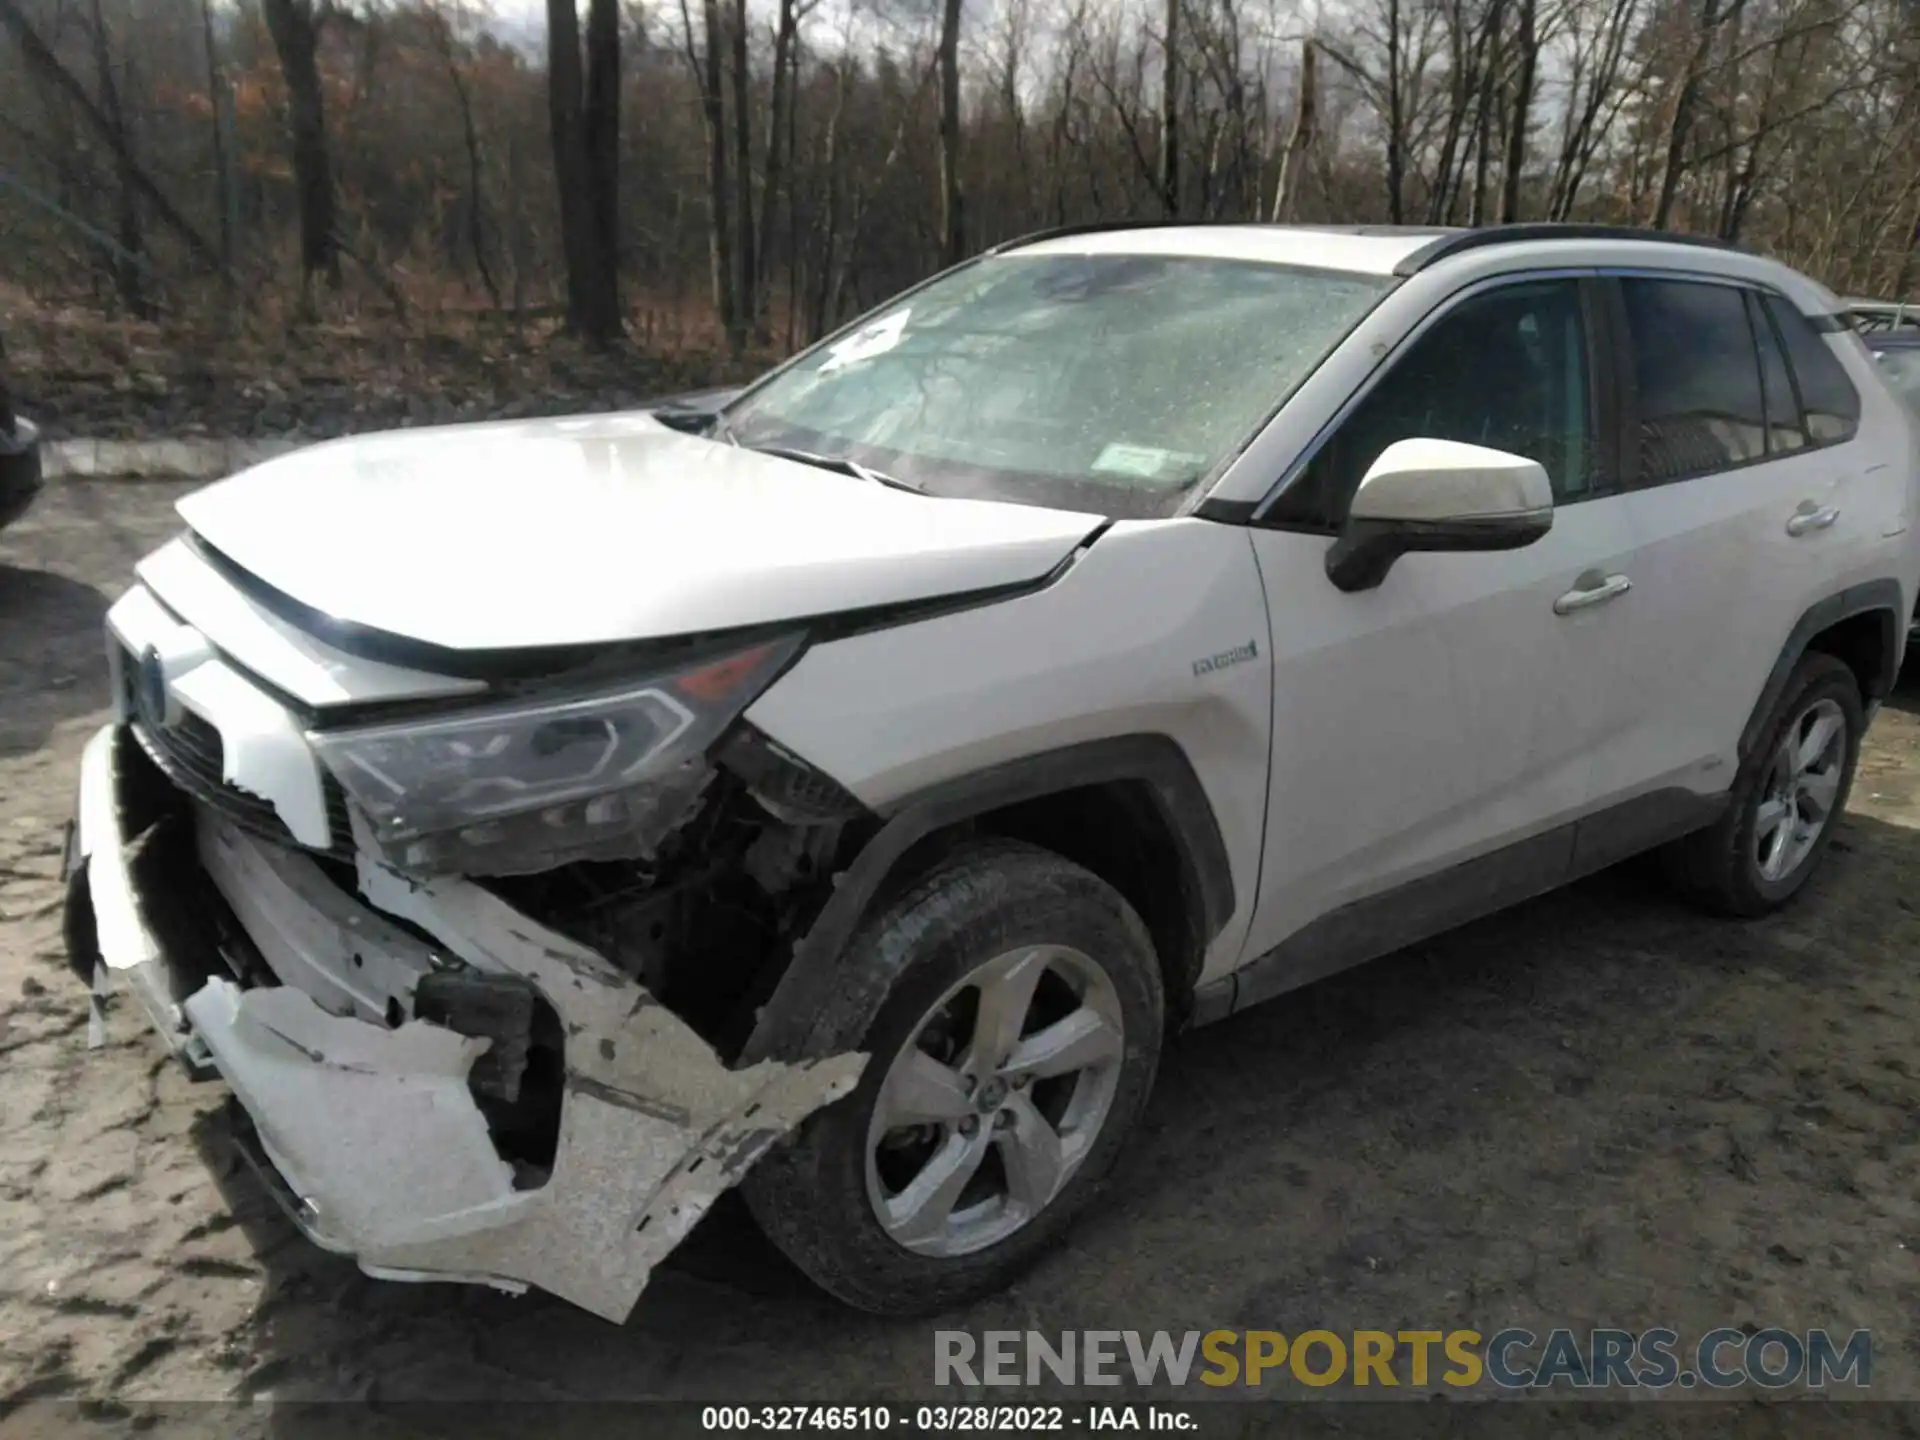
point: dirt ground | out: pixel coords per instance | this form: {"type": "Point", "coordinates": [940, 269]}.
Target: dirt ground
{"type": "Point", "coordinates": [1597, 1110]}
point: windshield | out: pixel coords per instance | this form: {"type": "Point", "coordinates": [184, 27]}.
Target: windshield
{"type": "Point", "coordinates": [1106, 383]}
{"type": "Point", "coordinates": [1901, 367]}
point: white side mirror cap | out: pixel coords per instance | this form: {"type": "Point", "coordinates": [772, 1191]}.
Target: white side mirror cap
{"type": "Point", "coordinates": [1436, 481]}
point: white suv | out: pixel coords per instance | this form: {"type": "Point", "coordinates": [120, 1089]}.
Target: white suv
{"type": "Point", "coordinates": [539, 824]}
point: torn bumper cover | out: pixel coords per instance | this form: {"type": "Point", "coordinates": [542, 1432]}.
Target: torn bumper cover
{"type": "Point", "coordinates": [313, 1003]}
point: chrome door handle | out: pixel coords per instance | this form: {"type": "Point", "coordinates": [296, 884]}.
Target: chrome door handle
{"type": "Point", "coordinates": [1810, 517]}
{"type": "Point", "coordinates": [1592, 588]}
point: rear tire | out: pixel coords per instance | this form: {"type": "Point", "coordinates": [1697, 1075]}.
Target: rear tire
{"type": "Point", "coordinates": [1786, 800]}
{"type": "Point", "coordinates": [856, 1199]}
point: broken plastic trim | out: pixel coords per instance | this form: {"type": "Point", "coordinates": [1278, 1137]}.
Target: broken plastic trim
{"type": "Point", "coordinates": [372, 1126]}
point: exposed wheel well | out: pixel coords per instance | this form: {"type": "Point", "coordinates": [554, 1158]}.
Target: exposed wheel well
{"type": "Point", "coordinates": [1116, 830]}
{"type": "Point", "coordinates": [1867, 644]}
{"type": "Point", "coordinates": [1129, 808]}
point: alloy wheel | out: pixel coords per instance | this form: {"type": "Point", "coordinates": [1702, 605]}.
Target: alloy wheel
{"type": "Point", "coordinates": [1802, 785]}
{"type": "Point", "coordinates": [996, 1099]}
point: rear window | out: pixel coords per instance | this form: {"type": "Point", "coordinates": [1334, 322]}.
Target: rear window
{"type": "Point", "coordinates": [1827, 396]}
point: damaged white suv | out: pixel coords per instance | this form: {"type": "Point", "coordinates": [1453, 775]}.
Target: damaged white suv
{"type": "Point", "coordinates": [843, 786]}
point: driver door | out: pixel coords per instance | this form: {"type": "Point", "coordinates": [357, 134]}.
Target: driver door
{"type": "Point", "coordinates": [1434, 738]}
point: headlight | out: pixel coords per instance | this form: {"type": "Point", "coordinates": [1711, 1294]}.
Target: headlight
{"type": "Point", "coordinates": [509, 789]}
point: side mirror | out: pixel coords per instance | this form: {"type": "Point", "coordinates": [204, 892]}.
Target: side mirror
{"type": "Point", "coordinates": [1438, 495]}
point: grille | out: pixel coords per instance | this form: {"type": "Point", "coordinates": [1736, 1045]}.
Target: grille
{"type": "Point", "coordinates": [188, 752]}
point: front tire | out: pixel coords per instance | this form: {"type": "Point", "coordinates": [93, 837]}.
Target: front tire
{"type": "Point", "coordinates": [1011, 1004]}
{"type": "Point", "coordinates": [1786, 800]}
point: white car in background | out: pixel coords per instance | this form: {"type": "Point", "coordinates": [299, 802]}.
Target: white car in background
{"type": "Point", "coordinates": [843, 787]}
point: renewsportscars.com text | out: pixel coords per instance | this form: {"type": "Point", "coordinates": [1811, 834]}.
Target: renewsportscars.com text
{"type": "Point", "coordinates": [1508, 1359]}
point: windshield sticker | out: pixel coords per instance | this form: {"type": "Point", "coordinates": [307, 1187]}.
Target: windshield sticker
{"type": "Point", "coordinates": [1145, 462]}
{"type": "Point", "coordinates": [867, 342]}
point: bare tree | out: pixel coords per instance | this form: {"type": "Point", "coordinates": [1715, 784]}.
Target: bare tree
{"type": "Point", "coordinates": [1686, 98]}
{"type": "Point", "coordinates": [47, 67]}
{"type": "Point", "coordinates": [470, 133]}
{"type": "Point", "coordinates": [1527, 57]}
{"type": "Point", "coordinates": [765, 170]}
{"type": "Point", "coordinates": [953, 222]}
{"type": "Point", "coordinates": [584, 121]}
{"type": "Point", "coordinates": [295, 26]}
{"type": "Point", "coordinates": [746, 294]}
{"type": "Point", "coordinates": [1299, 140]}
{"type": "Point", "coordinates": [1169, 110]}
{"type": "Point", "coordinates": [708, 67]}
{"type": "Point", "coordinates": [130, 258]}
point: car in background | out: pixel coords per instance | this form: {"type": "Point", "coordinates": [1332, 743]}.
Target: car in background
{"type": "Point", "coordinates": [1898, 354]}
{"type": "Point", "coordinates": [19, 460]}
{"type": "Point", "coordinates": [1883, 317]}
{"type": "Point", "coordinates": [1892, 333]}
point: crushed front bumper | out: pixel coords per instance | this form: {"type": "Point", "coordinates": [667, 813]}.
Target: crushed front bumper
{"type": "Point", "coordinates": [255, 963]}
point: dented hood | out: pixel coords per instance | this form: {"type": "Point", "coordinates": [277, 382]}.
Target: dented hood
{"type": "Point", "coordinates": [601, 529]}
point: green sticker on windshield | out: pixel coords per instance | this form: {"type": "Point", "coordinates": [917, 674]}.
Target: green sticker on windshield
{"type": "Point", "coordinates": [1145, 462]}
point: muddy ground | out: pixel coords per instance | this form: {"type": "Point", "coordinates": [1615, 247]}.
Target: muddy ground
{"type": "Point", "coordinates": [1598, 1110]}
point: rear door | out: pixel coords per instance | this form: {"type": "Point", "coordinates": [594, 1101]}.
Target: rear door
{"type": "Point", "coordinates": [1741, 480]}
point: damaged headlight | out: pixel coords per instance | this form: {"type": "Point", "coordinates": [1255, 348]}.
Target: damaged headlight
{"type": "Point", "coordinates": [516, 788]}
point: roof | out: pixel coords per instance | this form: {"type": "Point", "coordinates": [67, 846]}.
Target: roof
{"type": "Point", "coordinates": [1385, 250]}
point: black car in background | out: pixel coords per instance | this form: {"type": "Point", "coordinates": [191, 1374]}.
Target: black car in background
{"type": "Point", "coordinates": [19, 459]}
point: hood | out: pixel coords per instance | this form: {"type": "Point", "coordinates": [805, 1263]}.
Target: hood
{"type": "Point", "coordinates": [601, 529]}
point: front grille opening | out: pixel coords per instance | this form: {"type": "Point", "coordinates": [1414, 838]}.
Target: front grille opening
{"type": "Point", "coordinates": [187, 750]}
{"type": "Point", "coordinates": [181, 908]}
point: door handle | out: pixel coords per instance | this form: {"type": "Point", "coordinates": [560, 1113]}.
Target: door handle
{"type": "Point", "coordinates": [1810, 517]}
{"type": "Point", "coordinates": [1592, 588]}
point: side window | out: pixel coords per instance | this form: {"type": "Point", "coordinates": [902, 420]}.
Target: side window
{"type": "Point", "coordinates": [1697, 378]}
{"type": "Point", "coordinates": [1506, 369]}
{"type": "Point", "coordinates": [1784, 428]}
{"type": "Point", "coordinates": [1831, 403]}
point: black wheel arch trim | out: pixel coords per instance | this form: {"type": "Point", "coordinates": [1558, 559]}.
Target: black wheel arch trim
{"type": "Point", "coordinates": [1882, 597]}
{"type": "Point", "coordinates": [785, 1028]}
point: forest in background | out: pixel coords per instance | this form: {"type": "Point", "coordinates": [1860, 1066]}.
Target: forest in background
{"type": "Point", "coordinates": [730, 178]}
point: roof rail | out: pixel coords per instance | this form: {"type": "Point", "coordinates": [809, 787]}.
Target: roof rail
{"type": "Point", "coordinates": [1450, 245]}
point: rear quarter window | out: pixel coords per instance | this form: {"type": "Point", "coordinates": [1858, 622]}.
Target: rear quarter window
{"type": "Point", "coordinates": [1827, 396]}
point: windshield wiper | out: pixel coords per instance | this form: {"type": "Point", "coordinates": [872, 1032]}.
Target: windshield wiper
{"type": "Point", "coordinates": [842, 464]}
